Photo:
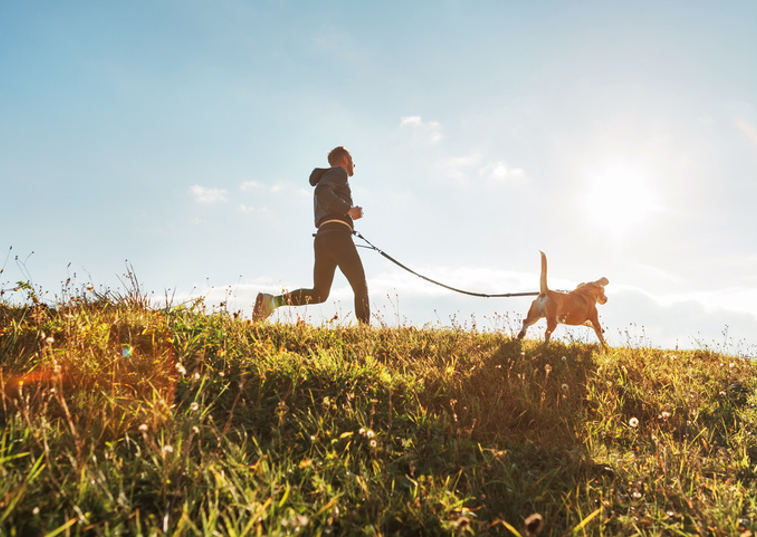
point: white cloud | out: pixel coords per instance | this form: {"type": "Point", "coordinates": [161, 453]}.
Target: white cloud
{"type": "Point", "coordinates": [499, 172]}
{"type": "Point", "coordinates": [252, 185]}
{"type": "Point", "coordinates": [208, 195]}
{"type": "Point", "coordinates": [424, 131]}
{"type": "Point", "coordinates": [463, 169]}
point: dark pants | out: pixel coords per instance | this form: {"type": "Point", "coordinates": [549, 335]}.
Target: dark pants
{"type": "Point", "coordinates": [335, 248]}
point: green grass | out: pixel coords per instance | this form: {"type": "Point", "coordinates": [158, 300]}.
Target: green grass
{"type": "Point", "coordinates": [120, 419]}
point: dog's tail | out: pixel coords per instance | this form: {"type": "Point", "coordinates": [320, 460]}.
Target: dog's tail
{"type": "Point", "coordinates": [543, 278]}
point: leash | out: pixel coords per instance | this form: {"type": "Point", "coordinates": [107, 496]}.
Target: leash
{"type": "Point", "coordinates": [470, 293]}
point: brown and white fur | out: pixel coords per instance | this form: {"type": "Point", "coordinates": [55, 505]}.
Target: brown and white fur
{"type": "Point", "coordinates": [578, 307]}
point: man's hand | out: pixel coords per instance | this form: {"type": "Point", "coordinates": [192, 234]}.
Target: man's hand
{"type": "Point", "coordinates": [356, 213]}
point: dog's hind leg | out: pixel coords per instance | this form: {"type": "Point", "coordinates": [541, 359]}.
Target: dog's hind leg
{"type": "Point", "coordinates": [530, 319]}
{"type": "Point", "coordinates": [551, 325]}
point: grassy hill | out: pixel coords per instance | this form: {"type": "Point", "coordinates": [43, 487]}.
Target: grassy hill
{"type": "Point", "coordinates": [120, 419]}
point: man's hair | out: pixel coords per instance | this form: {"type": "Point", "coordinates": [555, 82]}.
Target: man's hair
{"type": "Point", "coordinates": [336, 155]}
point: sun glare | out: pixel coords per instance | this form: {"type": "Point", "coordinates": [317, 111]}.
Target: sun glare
{"type": "Point", "coordinates": [619, 201]}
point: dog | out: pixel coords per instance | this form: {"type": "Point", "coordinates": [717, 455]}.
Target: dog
{"type": "Point", "coordinates": [578, 307]}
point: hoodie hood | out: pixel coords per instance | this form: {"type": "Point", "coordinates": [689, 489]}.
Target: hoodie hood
{"type": "Point", "coordinates": [316, 175]}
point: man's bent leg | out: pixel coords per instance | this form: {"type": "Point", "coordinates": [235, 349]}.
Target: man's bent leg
{"type": "Point", "coordinates": [323, 276]}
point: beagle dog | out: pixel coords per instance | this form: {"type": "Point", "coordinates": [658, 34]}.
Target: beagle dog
{"type": "Point", "coordinates": [578, 307]}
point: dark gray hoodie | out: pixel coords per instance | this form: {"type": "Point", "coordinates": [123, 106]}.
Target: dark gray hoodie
{"type": "Point", "coordinates": [332, 197]}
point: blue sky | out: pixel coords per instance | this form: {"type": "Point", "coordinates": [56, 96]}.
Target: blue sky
{"type": "Point", "coordinates": [621, 139]}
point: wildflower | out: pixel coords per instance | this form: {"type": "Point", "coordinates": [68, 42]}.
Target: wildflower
{"type": "Point", "coordinates": [196, 377]}
{"type": "Point", "coordinates": [195, 429]}
{"type": "Point", "coordinates": [361, 431]}
{"type": "Point", "coordinates": [534, 524]}
{"type": "Point", "coordinates": [372, 443]}
{"type": "Point", "coordinates": [369, 434]}
{"type": "Point", "coordinates": [167, 449]}
{"type": "Point", "coordinates": [633, 422]}
{"type": "Point", "coordinates": [50, 340]}
{"type": "Point", "coordinates": [565, 387]}
{"type": "Point", "coordinates": [665, 415]}
{"type": "Point", "coordinates": [194, 406]}
{"type": "Point", "coordinates": [143, 428]}
{"type": "Point", "coordinates": [564, 358]}
{"type": "Point", "coordinates": [180, 368]}
{"type": "Point", "coordinates": [297, 521]}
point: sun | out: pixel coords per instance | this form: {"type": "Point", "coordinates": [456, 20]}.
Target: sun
{"type": "Point", "coordinates": [619, 201]}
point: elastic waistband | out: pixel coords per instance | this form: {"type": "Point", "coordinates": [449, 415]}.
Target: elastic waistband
{"type": "Point", "coordinates": [338, 221]}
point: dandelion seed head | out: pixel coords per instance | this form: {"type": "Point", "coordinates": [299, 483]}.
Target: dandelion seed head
{"type": "Point", "coordinates": [565, 387]}
{"type": "Point", "coordinates": [167, 449]}
{"type": "Point", "coordinates": [369, 434]}
{"type": "Point", "coordinates": [534, 524]}
{"type": "Point", "coordinates": [548, 369]}
{"type": "Point", "coordinates": [194, 406]}
{"type": "Point", "coordinates": [372, 443]}
{"type": "Point", "coordinates": [633, 422]}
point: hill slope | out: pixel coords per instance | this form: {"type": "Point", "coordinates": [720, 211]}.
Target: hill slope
{"type": "Point", "coordinates": [120, 419]}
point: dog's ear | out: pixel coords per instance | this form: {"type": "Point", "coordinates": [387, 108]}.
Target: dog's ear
{"type": "Point", "coordinates": [602, 282]}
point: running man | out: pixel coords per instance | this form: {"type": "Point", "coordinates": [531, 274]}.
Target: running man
{"type": "Point", "coordinates": [334, 247]}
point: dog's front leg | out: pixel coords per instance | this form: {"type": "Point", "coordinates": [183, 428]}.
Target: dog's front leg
{"type": "Point", "coordinates": [594, 323]}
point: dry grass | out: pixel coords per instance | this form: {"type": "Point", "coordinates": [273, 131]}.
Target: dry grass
{"type": "Point", "coordinates": [121, 419]}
